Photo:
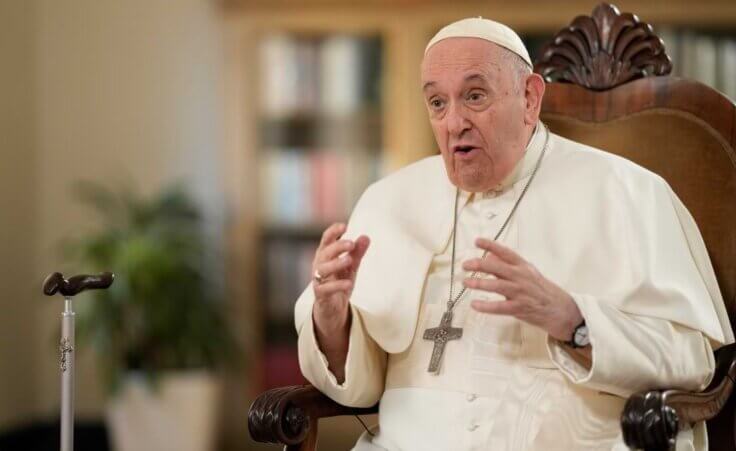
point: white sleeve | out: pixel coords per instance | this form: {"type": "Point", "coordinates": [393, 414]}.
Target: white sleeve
{"type": "Point", "coordinates": [631, 353]}
{"type": "Point", "coordinates": [365, 366]}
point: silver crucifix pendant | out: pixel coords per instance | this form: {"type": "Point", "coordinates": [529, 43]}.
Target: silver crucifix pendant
{"type": "Point", "coordinates": [441, 335]}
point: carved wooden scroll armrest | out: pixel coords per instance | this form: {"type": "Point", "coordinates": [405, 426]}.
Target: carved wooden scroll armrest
{"type": "Point", "coordinates": [289, 415]}
{"type": "Point", "coordinates": [651, 419]}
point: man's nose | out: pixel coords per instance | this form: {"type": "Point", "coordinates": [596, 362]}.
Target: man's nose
{"type": "Point", "coordinates": [457, 121]}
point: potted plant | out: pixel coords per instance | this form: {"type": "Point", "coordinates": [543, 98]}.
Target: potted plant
{"type": "Point", "coordinates": [160, 330]}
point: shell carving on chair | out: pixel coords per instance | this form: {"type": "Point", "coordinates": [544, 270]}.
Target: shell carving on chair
{"type": "Point", "coordinates": [604, 50]}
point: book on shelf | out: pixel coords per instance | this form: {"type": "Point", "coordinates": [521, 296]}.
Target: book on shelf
{"type": "Point", "coordinates": [727, 69]}
{"type": "Point", "coordinates": [698, 58]}
{"type": "Point", "coordinates": [333, 75]}
{"type": "Point", "coordinates": [328, 181]}
{"type": "Point", "coordinates": [341, 78]}
{"type": "Point", "coordinates": [286, 187]}
{"type": "Point", "coordinates": [278, 75]}
{"type": "Point", "coordinates": [706, 57]}
{"type": "Point", "coordinates": [289, 75]}
{"type": "Point", "coordinates": [288, 272]}
{"type": "Point", "coordinates": [302, 187]}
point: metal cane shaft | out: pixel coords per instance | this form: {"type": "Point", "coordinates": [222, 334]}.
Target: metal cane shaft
{"type": "Point", "coordinates": [66, 349]}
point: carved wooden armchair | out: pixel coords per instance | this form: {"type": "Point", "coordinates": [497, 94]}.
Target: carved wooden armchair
{"type": "Point", "coordinates": [609, 86]}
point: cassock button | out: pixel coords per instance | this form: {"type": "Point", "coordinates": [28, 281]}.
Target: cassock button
{"type": "Point", "coordinates": [472, 427]}
{"type": "Point", "coordinates": [471, 397]}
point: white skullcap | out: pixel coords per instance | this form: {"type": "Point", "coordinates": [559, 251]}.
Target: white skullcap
{"type": "Point", "coordinates": [492, 31]}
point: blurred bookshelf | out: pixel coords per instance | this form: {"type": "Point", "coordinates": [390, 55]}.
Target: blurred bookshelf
{"type": "Point", "coordinates": [319, 145]}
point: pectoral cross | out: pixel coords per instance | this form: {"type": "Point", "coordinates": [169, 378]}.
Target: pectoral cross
{"type": "Point", "coordinates": [441, 335]}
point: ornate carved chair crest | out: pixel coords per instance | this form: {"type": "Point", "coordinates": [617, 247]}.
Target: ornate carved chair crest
{"type": "Point", "coordinates": [604, 50]}
{"type": "Point", "coordinates": [609, 86]}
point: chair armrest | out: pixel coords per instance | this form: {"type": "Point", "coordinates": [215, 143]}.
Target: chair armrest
{"type": "Point", "coordinates": [286, 414]}
{"type": "Point", "coordinates": [651, 419]}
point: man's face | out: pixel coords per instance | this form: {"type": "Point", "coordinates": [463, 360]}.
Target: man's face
{"type": "Point", "coordinates": [478, 110]}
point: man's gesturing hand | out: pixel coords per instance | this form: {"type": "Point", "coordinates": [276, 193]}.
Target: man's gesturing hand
{"type": "Point", "coordinates": [530, 296]}
{"type": "Point", "coordinates": [337, 262]}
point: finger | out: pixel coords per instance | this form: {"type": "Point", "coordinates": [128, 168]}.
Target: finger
{"type": "Point", "coordinates": [490, 264]}
{"type": "Point", "coordinates": [503, 287]}
{"type": "Point", "coordinates": [332, 233]}
{"type": "Point", "coordinates": [330, 287]}
{"type": "Point", "coordinates": [333, 250]}
{"type": "Point", "coordinates": [498, 249]}
{"type": "Point", "coordinates": [330, 267]}
{"type": "Point", "coordinates": [508, 308]}
{"type": "Point", "coordinates": [361, 246]}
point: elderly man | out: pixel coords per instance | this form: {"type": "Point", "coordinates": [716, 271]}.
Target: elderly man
{"type": "Point", "coordinates": [512, 292]}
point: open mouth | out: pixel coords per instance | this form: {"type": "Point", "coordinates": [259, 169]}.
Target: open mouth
{"type": "Point", "coordinates": [463, 150]}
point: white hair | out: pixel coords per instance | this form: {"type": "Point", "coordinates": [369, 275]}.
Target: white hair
{"type": "Point", "coordinates": [517, 65]}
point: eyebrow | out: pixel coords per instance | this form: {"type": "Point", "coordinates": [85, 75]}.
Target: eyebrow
{"type": "Point", "coordinates": [469, 77]}
{"type": "Point", "coordinates": [473, 77]}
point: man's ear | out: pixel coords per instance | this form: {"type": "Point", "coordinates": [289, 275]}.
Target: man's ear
{"type": "Point", "coordinates": [534, 92]}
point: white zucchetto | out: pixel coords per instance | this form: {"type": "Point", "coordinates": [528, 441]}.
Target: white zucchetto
{"type": "Point", "coordinates": [492, 31]}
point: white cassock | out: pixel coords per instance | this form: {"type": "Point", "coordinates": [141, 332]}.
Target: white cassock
{"type": "Point", "coordinates": [609, 232]}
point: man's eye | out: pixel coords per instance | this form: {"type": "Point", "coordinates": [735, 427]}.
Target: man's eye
{"type": "Point", "coordinates": [436, 104]}
{"type": "Point", "coordinates": [476, 97]}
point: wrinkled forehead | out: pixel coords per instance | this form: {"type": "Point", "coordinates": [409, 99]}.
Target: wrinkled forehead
{"type": "Point", "coordinates": [455, 58]}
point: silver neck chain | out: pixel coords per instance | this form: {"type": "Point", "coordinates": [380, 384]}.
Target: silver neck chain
{"type": "Point", "coordinates": [451, 302]}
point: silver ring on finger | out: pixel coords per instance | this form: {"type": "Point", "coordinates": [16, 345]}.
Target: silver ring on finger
{"type": "Point", "coordinates": [318, 277]}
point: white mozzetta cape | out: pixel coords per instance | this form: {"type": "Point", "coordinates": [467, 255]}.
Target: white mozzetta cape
{"type": "Point", "coordinates": [596, 224]}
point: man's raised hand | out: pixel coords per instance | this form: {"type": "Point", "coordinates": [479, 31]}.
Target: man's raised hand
{"type": "Point", "coordinates": [336, 262]}
{"type": "Point", "coordinates": [530, 296]}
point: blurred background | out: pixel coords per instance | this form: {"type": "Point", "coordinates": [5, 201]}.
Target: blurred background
{"type": "Point", "coordinates": [198, 148]}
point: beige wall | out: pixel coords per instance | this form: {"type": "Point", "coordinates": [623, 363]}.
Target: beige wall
{"type": "Point", "coordinates": [18, 194]}
{"type": "Point", "coordinates": [91, 89]}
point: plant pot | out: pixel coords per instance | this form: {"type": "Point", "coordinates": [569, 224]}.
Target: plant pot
{"type": "Point", "coordinates": [178, 414]}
